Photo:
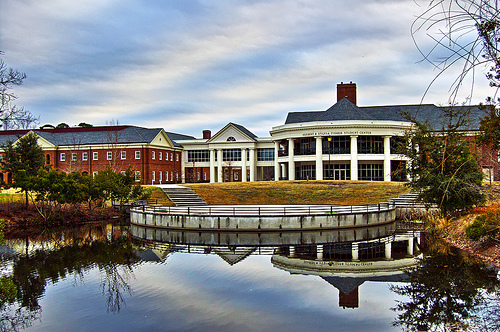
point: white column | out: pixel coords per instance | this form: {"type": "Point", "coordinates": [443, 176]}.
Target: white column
{"type": "Point", "coordinates": [409, 249]}
{"type": "Point", "coordinates": [319, 252]}
{"type": "Point", "coordinates": [252, 165]}
{"type": "Point", "coordinates": [212, 165]}
{"type": "Point", "coordinates": [355, 252]}
{"type": "Point", "coordinates": [354, 158]}
{"type": "Point", "coordinates": [291, 161]}
{"type": "Point", "coordinates": [283, 171]}
{"type": "Point", "coordinates": [277, 169]}
{"type": "Point", "coordinates": [219, 166]}
{"type": "Point", "coordinates": [319, 158]}
{"type": "Point", "coordinates": [388, 248]}
{"type": "Point", "coordinates": [387, 158]}
{"type": "Point", "coordinates": [243, 165]}
{"type": "Point", "coordinates": [184, 160]}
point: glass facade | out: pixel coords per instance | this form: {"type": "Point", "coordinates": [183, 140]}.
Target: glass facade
{"type": "Point", "coordinates": [371, 172]}
{"type": "Point", "coordinates": [199, 156]}
{"type": "Point", "coordinates": [265, 154]}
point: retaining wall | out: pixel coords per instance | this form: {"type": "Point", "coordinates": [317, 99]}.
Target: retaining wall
{"type": "Point", "coordinates": [262, 223]}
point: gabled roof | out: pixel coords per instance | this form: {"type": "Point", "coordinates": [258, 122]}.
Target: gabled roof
{"type": "Point", "coordinates": [239, 128]}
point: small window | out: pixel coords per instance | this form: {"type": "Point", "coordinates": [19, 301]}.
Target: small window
{"type": "Point", "coordinates": [85, 156]}
{"type": "Point", "coordinates": [176, 157]}
{"type": "Point", "coordinates": [124, 155]}
{"type": "Point", "coordinates": [205, 176]}
{"type": "Point", "coordinates": [73, 157]}
{"type": "Point", "coordinates": [152, 155]}
{"type": "Point", "coordinates": [159, 174]}
{"type": "Point", "coordinates": [231, 139]}
{"type": "Point", "coordinates": [63, 157]}
{"type": "Point", "coordinates": [109, 155]}
{"type": "Point", "coordinates": [137, 154]}
{"type": "Point", "coordinates": [138, 174]}
{"type": "Point", "coordinates": [160, 155]}
{"type": "Point", "coordinates": [94, 174]}
{"type": "Point", "coordinates": [166, 175]}
{"type": "Point", "coordinates": [171, 157]}
{"type": "Point", "coordinates": [95, 155]}
{"type": "Point", "coordinates": [153, 176]}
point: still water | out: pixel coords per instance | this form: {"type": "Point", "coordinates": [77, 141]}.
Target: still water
{"type": "Point", "coordinates": [116, 278]}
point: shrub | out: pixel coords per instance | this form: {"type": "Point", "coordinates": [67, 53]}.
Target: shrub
{"type": "Point", "coordinates": [484, 225]}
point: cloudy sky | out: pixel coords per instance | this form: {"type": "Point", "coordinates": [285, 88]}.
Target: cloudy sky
{"type": "Point", "coordinates": [189, 65]}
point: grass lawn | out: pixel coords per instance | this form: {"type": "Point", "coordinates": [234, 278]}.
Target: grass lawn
{"type": "Point", "coordinates": [298, 192]}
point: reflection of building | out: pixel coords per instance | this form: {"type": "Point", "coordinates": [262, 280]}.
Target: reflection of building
{"type": "Point", "coordinates": [348, 265]}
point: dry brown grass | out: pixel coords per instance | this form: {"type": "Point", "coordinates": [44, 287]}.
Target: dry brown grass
{"type": "Point", "coordinates": [298, 192]}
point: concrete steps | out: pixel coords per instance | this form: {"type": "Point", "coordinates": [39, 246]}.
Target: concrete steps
{"type": "Point", "coordinates": [405, 199]}
{"type": "Point", "coordinates": [183, 196]}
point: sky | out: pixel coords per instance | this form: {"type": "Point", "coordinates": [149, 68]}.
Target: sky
{"type": "Point", "coordinates": [190, 65]}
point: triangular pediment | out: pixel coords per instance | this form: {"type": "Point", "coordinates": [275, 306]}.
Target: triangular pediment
{"type": "Point", "coordinates": [233, 133]}
{"type": "Point", "coordinates": [162, 139]}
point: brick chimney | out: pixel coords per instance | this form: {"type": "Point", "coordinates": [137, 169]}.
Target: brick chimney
{"type": "Point", "coordinates": [207, 134]}
{"type": "Point", "coordinates": [347, 90]}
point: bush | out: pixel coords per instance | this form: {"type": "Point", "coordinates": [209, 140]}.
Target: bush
{"type": "Point", "coordinates": [486, 224]}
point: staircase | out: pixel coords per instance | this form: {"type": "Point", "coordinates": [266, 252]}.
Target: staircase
{"type": "Point", "coordinates": [183, 196]}
{"type": "Point", "coordinates": [405, 199]}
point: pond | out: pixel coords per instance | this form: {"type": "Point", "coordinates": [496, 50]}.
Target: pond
{"type": "Point", "coordinates": [112, 277]}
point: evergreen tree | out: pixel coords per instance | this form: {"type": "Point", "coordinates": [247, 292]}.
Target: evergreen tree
{"type": "Point", "coordinates": [441, 166]}
{"type": "Point", "coordinates": [22, 159]}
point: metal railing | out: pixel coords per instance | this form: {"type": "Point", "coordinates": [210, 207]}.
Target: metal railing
{"type": "Point", "coordinates": [271, 210]}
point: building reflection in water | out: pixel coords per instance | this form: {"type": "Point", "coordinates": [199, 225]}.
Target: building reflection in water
{"type": "Point", "coordinates": [348, 265]}
{"type": "Point", "coordinates": [353, 256]}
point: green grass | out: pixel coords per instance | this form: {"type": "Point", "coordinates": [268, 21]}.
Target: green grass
{"type": "Point", "coordinates": [298, 192]}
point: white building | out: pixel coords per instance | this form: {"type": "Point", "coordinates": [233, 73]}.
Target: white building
{"type": "Point", "coordinates": [344, 142]}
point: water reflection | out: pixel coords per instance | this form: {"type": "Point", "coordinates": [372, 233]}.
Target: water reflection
{"type": "Point", "coordinates": [449, 289]}
{"type": "Point", "coordinates": [437, 287]}
{"type": "Point", "coordinates": [48, 257]}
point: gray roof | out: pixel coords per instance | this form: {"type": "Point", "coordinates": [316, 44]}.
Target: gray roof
{"type": "Point", "coordinates": [245, 130]}
{"type": "Point", "coordinates": [100, 135]}
{"type": "Point", "coordinates": [344, 110]}
{"type": "Point", "coordinates": [95, 135]}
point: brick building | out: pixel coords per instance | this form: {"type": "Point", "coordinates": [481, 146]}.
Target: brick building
{"type": "Point", "coordinates": [151, 153]}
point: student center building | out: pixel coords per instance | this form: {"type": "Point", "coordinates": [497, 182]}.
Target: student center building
{"type": "Point", "coordinates": [344, 142]}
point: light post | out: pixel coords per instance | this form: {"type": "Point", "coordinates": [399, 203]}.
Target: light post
{"type": "Point", "coordinates": [329, 155]}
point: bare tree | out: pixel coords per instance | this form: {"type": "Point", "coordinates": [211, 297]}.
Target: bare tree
{"type": "Point", "coordinates": [11, 116]}
{"type": "Point", "coordinates": [465, 33]}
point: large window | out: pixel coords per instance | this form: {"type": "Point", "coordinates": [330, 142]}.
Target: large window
{"type": "Point", "coordinates": [231, 155]}
{"type": "Point", "coordinates": [265, 154]}
{"type": "Point", "coordinates": [199, 156]}
{"type": "Point", "coordinates": [305, 146]}
{"type": "Point", "coordinates": [337, 172]}
{"type": "Point", "coordinates": [370, 145]}
{"type": "Point", "coordinates": [371, 172]}
{"type": "Point", "coordinates": [305, 172]}
{"type": "Point", "coordinates": [337, 145]}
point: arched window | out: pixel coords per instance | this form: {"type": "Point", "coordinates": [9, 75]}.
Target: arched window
{"type": "Point", "coordinates": [231, 139]}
